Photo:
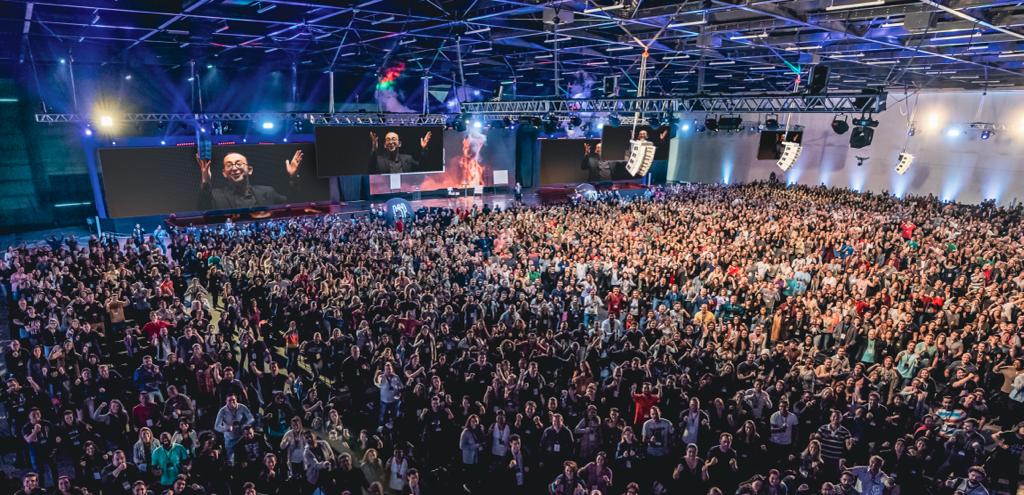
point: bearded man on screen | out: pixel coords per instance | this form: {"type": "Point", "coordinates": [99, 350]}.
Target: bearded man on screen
{"type": "Point", "coordinates": [239, 192]}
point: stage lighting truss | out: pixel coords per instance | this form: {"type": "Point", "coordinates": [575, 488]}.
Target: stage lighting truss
{"type": "Point", "coordinates": [906, 159]}
{"type": "Point", "coordinates": [790, 153]}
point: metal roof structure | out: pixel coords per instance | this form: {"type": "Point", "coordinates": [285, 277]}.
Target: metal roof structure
{"type": "Point", "coordinates": [523, 48]}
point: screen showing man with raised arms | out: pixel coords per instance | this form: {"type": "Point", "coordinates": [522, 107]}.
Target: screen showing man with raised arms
{"type": "Point", "coordinates": [599, 169]}
{"type": "Point", "coordinates": [239, 192]}
{"type": "Point", "coordinates": [392, 160]}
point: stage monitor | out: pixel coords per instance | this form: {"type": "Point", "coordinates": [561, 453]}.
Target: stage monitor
{"type": "Point", "coordinates": [372, 150]}
{"type": "Point", "coordinates": [569, 161]}
{"type": "Point", "coordinates": [170, 179]}
{"type": "Point", "coordinates": [615, 140]}
{"type": "Point", "coordinates": [770, 145]}
{"type": "Point", "coordinates": [471, 159]}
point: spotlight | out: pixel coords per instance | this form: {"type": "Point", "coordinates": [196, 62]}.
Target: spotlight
{"type": "Point", "coordinates": [575, 121]}
{"type": "Point", "coordinates": [163, 143]}
{"type": "Point", "coordinates": [614, 121]}
{"type": "Point", "coordinates": [62, 61]}
{"type": "Point", "coordinates": [458, 122]}
{"type": "Point", "coordinates": [127, 77]}
{"type": "Point", "coordinates": [733, 123]}
{"type": "Point", "coordinates": [904, 164]}
{"type": "Point", "coordinates": [551, 124]}
{"type": "Point", "coordinates": [686, 127]}
{"type": "Point", "coordinates": [711, 124]}
{"type": "Point", "coordinates": [771, 122]}
{"type": "Point", "coordinates": [600, 126]}
{"type": "Point", "coordinates": [476, 92]}
{"type": "Point", "coordinates": [861, 137]}
{"type": "Point", "coordinates": [202, 129]}
{"type": "Point", "coordinates": [840, 126]}
{"type": "Point", "coordinates": [790, 153]}
{"type": "Point", "coordinates": [986, 134]}
{"type": "Point", "coordinates": [477, 124]}
{"type": "Point", "coordinates": [953, 132]}
{"type": "Point", "coordinates": [863, 132]}
{"type": "Point", "coordinates": [267, 125]}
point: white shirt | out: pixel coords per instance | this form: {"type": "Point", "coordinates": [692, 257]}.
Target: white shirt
{"type": "Point", "coordinates": [782, 427]}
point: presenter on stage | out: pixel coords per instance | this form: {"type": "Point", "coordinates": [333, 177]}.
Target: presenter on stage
{"type": "Point", "coordinates": [601, 170]}
{"type": "Point", "coordinates": [391, 161]}
{"type": "Point", "coordinates": [239, 193]}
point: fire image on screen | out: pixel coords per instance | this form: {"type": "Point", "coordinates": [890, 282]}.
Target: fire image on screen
{"type": "Point", "coordinates": [471, 158]}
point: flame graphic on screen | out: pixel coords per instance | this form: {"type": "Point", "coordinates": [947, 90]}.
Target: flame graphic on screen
{"type": "Point", "coordinates": [469, 161]}
{"type": "Point", "coordinates": [462, 170]}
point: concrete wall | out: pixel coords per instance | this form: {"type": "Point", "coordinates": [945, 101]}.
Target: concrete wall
{"type": "Point", "coordinates": [963, 168]}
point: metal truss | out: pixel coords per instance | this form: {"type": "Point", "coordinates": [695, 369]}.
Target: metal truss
{"type": "Point", "coordinates": [738, 103]}
{"type": "Point", "coordinates": [312, 118]}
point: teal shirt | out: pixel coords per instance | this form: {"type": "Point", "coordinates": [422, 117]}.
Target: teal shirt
{"type": "Point", "coordinates": [168, 461]}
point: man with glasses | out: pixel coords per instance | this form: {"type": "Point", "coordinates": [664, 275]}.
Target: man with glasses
{"type": "Point", "coordinates": [239, 193]}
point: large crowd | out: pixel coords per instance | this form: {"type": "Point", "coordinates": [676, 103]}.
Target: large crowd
{"type": "Point", "coordinates": [754, 339]}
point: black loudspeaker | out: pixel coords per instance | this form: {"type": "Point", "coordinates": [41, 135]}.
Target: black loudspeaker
{"type": "Point", "coordinates": [819, 80]}
{"type": "Point", "coordinates": [611, 84]}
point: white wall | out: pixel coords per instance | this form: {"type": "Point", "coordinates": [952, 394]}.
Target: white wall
{"type": "Point", "coordinates": [964, 169]}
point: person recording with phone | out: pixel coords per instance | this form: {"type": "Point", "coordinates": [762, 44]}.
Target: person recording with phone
{"type": "Point", "coordinates": [239, 192]}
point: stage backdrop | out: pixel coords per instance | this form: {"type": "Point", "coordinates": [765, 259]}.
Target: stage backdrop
{"type": "Point", "coordinates": [156, 181]}
{"type": "Point", "coordinates": [471, 159]}
{"type": "Point", "coordinates": [348, 150]}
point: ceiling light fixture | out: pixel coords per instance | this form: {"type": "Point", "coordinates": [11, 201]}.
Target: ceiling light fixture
{"type": "Point", "coordinates": [620, 48]}
{"type": "Point", "coordinates": [892, 24]}
{"type": "Point", "coordinates": [955, 36]}
{"type": "Point", "coordinates": [594, 10]}
{"type": "Point", "coordinates": [478, 30]}
{"type": "Point", "coordinates": [676, 57]}
{"type": "Point", "coordinates": [844, 6]}
{"type": "Point", "coordinates": [265, 8]}
{"type": "Point", "coordinates": [722, 62]}
{"type": "Point", "coordinates": [698, 22]}
{"type": "Point", "coordinates": [557, 39]}
{"type": "Point", "coordinates": [749, 36]}
{"type": "Point", "coordinates": [382, 21]}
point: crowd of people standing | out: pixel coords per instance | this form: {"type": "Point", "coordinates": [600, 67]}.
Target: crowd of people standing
{"type": "Point", "coordinates": [754, 339]}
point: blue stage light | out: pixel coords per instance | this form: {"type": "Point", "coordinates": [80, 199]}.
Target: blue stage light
{"type": "Point", "coordinates": [268, 125]}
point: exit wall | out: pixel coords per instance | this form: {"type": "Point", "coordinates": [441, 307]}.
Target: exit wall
{"type": "Point", "coordinates": [963, 168]}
